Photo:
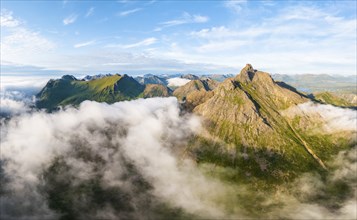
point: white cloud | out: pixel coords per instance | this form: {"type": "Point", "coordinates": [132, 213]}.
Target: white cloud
{"type": "Point", "coordinates": [176, 81]}
{"type": "Point", "coordinates": [199, 19]}
{"type": "Point", "coordinates": [145, 42]}
{"type": "Point", "coordinates": [70, 19]}
{"type": "Point", "coordinates": [7, 20]}
{"type": "Point", "coordinates": [84, 44]}
{"type": "Point", "coordinates": [128, 12]}
{"type": "Point", "coordinates": [90, 12]}
{"type": "Point", "coordinates": [334, 118]}
{"type": "Point", "coordinates": [12, 107]}
{"type": "Point", "coordinates": [22, 83]}
{"type": "Point", "coordinates": [186, 18]}
{"type": "Point", "coordinates": [235, 5]}
{"type": "Point", "coordinates": [223, 32]}
{"type": "Point", "coordinates": [300, 45]}
{"type": "Point", "coordinates": [305, 40]}
{"type": "Point", "coordinates": [149, 134]}
{"type": "Point", "coordinates": [227, 45]}
{"type": "Point", "coordinates": [24, 46]}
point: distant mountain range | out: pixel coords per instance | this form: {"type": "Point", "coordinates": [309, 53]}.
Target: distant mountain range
{"type": "Point", "coordinates": [311, 83]}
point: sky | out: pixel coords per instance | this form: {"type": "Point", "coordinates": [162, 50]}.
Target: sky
{"type": "Point", "coordinates": [200, 37]}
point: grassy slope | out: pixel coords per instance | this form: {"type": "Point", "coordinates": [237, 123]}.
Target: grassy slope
{"type": "Point", "coordinates": [331, 99]}
{"type": "Point", "coordinates": [282, 150]}
{"type": "Point", "coordinates": [156, 90]}
{"type": "Point", "coordinates": [108, 89]}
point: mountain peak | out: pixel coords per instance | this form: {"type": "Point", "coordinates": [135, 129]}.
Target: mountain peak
{"type": "Point", "coordinates": [248, 74]}
{"type": "Point", "coordinates": [248, 67]}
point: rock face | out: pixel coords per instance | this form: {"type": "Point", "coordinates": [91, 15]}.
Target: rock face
{"type": "Point", "coordinates": [195, 92]}
{"type": "Point", "coordinates": [156, 90]}
{"type": "Point", "coordinates": [195, 85]}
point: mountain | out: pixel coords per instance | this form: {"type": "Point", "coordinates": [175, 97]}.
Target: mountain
{"type": "Point", "coordinates": [156, 90]}
{"type": "Point", "coordinates": [249, 131]}
{"type": "Point", "coordinates": [151, 79]}
{"type": "Point", "coordinates": [69, 90]}
{"type": "Point", "coordinates": [218, 77]}
{"type": "Point", "coordinates": [193, 86]}
{"type": "Point", "coordinates": [195, 92]}
{"type": "Point", "coordinates": [248, 127]}
{"type": "Point", "coordinates": [189, 76]}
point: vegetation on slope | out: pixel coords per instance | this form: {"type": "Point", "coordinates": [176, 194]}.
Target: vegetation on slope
{"type": "Point", "coordinates": [329, 98]}
{"type": "Point", "coordinates": [70, 91]}
{"type": "Point", "coordinates": [244, 115]}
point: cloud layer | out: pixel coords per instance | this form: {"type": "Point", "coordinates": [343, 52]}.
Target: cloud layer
{"type": "Point", "coordinates": [334, 118]}
{"type": "Point", "coordinates": [144, 135]}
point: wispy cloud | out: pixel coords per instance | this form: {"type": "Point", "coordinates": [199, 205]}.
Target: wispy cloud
{"type": "Point", "coordinates": [217, 46]}
{"type": "Point", "coordinates": [128, 12]}
{"type": "Point", "coordinates": [70, 19]}
{"type": "Point", "coordinates": [124, 1]}
{"type": "Point", "coordinates": [7, 20]}
{"type": "Point", "coordinates": [90, 12]}
{"type": "Point", "coordinates": [21, 45]}
{"type": "Point", "coordinates": [84, 44]}
{"type": "Point", "coordinates": [186, 18]}
{"type": "Point", "coordinates": [145, 42]}
{"type": "Point", "coordinates": [235, 5]}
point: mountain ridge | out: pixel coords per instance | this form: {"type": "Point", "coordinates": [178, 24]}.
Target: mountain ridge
{"type": "Point", "coordinates": [112, 88]}
{"type": "Point", "coordinates": [246, 113]}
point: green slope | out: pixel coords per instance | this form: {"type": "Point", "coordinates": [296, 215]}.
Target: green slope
{"type": "Point", "coordinates": [110, 89]}
{"type": "Point", "coordinates": [329, 98]}
{"type": "Point", "coordinates": [248, 132]}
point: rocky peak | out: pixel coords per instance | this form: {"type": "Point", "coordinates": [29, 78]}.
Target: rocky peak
{"type": "Point", "coordinates": [248, 67]}
{"type": "Point", "coordinates": [248, 74]}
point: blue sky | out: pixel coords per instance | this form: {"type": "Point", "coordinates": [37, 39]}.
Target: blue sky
{"type": "Point", "coordinates": [138, 37]}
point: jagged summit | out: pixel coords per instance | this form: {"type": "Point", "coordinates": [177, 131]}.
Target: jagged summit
{"type": "Point", "coordinates": [248, 68]}
{"type": "Point", "coordinates": [248, 74]}
{"type": "Point", "coordinates": [245, 110]}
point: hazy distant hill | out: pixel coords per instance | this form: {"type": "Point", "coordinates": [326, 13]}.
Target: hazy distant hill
{"type": "Point", "coordinates": [320, 82]}
{"type": "Point", "coordinates": [151, 79]}
{"type": "Point", "coordinates": [343, 100]}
